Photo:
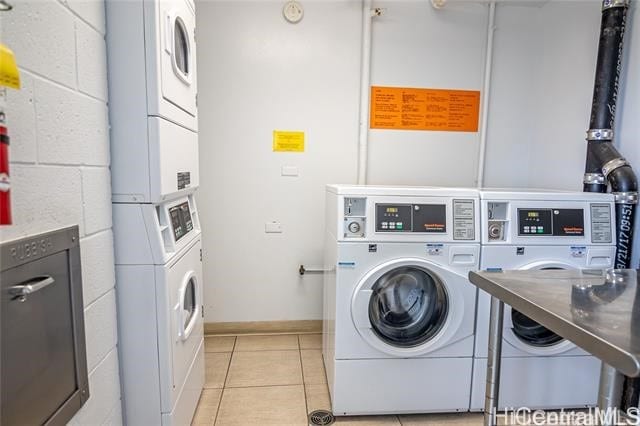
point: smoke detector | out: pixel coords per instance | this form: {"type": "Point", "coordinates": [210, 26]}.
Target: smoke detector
{"type": "Point", "coordinates": [438, 4]}
{"type": "Point", "coordinates": [292, 12]}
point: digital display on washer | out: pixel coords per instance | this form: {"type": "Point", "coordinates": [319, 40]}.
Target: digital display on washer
{"type": "Point", "coordinates": [431, 218]}
{"type": "Point", "coordinates": [181, 221]}
{"type": "Point", "coordinates": [555, 222]}
{"type": "Point", "coordinates": [393, 217]}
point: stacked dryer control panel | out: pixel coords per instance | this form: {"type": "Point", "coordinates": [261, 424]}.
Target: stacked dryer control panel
{"type": "Point", "coordinates": [154, 164]}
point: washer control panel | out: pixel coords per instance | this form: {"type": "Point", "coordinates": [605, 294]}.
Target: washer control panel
{"type": "Point", "coordinates": [411, 218]}
{"type": "Point", "coordinates": [556, 222]}
{"type": "Point", "coordinates": [577, 221]}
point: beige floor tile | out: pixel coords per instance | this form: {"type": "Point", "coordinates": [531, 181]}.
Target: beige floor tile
{"type": "Point", "coordinates": [219, 343]}
{"type": "Point", "coordinates": [313, 367]}
{"type": "Point", "coordinates": [273, 405]}
{"type": "Point", "coordinates": [267, 343]}
{"type": "Point", "coordinates": [457, 419]}
{"type": "Point", "coordinates": [317, 397]}
{"type": "Point", "coordinates": [216, 367]}
{"type": "Point", "coordinates": [310, 341]}
{"type": "Point", "coordinates": [265, 368]}
{"type": "Point", "coordinates": [207, 408]}
{"type": "Point", "coordinates": [368, 421]}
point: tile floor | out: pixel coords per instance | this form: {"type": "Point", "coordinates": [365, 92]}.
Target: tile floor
{"type": "Point", "coordinates": [277, 380]}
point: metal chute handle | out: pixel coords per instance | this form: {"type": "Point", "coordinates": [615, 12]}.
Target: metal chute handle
{"type": "Point", "coordinates": [22, 290]}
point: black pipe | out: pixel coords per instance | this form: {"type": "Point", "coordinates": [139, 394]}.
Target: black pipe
{"type": "Point", "coordinates": [605, 88]}
{"type": "Point", "coordinates": [604, 164]}
{"type": "Point", "coordinates": [605, 91]}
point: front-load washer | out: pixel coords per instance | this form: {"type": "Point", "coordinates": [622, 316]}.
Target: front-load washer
{"type": "Point", "coordinates": [398, 315]}
{"type": "Point", "coordinates": [160, 319]}
{"type": "Point", "coordinates": [540, 230]}
{"type": "Point", "coordinates": [152, 99]}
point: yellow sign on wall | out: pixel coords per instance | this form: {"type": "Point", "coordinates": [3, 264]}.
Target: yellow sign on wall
{"type": "Point", "coordinates": [9, 74]}
{"type": "Point", "coordinates": [286, 141]}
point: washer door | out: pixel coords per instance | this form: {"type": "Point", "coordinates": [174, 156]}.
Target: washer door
{"type": "Point", "coordinates": [530, 336]}
{"type": "Point", "coordinates": [407, 307]}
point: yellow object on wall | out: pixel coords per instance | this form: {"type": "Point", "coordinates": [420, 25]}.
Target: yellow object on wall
{"type": "Point", "coordinates": [286, 141]}
{"type": "Point", "coordinates": [9, 74]}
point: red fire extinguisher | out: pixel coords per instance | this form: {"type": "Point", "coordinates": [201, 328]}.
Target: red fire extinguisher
{"type": "Point", "coordinates": [5, 182]}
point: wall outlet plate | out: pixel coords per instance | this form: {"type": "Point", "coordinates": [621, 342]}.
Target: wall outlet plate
{"type": "Point", "coordinates": [273, 228]}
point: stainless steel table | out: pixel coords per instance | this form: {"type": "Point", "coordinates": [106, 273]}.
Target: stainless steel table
{"type": "Point", "coordinates": [597, 310]}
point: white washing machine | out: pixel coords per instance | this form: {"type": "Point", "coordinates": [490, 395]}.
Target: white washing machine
{"type": "Point", "coordinates": [398, 309]}
{"type": "Point", "coordinates": [540, 230]}
{"type": "Point", "coordinates": [151, 55]}
{"type": "Point", "coordinates": [160, 318]}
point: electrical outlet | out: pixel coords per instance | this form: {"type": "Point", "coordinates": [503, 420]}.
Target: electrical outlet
{"type": "Point", "coordinates": [273, 228]}
{"type": "Point", "coordinates": [289, 171]}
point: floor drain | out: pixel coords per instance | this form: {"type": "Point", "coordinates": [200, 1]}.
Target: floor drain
{"type": "Point", "coordinates": [321, 418]}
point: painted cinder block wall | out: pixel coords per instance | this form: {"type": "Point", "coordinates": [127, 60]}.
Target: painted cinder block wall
{"type": "Point", "coordinates": [58, 123]}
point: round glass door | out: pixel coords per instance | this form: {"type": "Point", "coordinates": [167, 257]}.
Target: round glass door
{"type": "Point", "coordinates": [531, 332]}
{"type": "Point", "coordinates": [180, 47]}
{"type": "Point", "coordinates": [408, 306]}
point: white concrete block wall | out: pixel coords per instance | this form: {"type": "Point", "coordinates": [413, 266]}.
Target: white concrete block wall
{"type": "Point", "coordinates": [58, 123]}
{"type": "Point", "coordinates": [22, 122]}
{"type": "Point", "coordinates": [66, 121]}
{"type": "Point", "coordinates": [104, 385]}
{"type": "Point", "coordinates": [96, 196]}
{"type": "Point", "coordinates": [98, 273]}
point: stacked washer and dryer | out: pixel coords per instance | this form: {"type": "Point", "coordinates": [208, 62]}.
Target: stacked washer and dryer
{"type": "Point", "coordinates": [540, 230]}
{"type": "Point", "coordinates": [399, 311]}
{"type": "Point", "coordinates": [154, 167]}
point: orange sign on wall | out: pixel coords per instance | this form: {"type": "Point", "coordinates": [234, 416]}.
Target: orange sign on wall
{"type": "Point", "coordinates": [402, 108]}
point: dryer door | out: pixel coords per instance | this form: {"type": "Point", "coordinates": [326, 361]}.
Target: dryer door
{"type": "Point", "coordinates": [178, 55]}
{"type": "Point", "coordinates": [408, 307]}
{"type": "Point", "coordinates": [528, 335]}
{"type": "Point", "coordinates": [184, 287]}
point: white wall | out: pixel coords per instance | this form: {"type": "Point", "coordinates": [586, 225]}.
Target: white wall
{"type": "Point", "coordinates": [60, 162]}
{"type": "Point", "coordinates": [544, 63]}
{"type": "Point", "coordinates": [258, 73]}
{"type": "Point", "coordinates": [415, 45]}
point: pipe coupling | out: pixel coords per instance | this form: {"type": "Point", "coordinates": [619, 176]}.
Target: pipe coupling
{"type": "Point", "coordinates": [599, 134]}
{"type": "Point", "coordinates": [593, 178]}
{"type": "Point", "coordinates": [625, 197]}
{"type": "Point", "coordinates": [611, 165]}
{"type": "Point", "coordinates": [608, 4]}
